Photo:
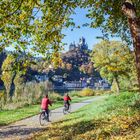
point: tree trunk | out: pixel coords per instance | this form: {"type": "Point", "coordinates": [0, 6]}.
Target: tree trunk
{"type": "Point", "coordinates": [117, 85]}
{"type": "Point", "coordinates": [134, 25]}
{"type": "Point", "coordinates": [12, 87]}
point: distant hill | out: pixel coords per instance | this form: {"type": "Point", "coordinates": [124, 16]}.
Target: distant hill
{"type": "Point", "coordinates": [76, 62]}
{"type": "Point", "coordinates": [76, 57]}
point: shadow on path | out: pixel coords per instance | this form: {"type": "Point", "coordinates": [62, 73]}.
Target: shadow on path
{"type": "Point", "coordinates": [24, 128]}
{"type": "Point", "coordinates": [15, 126]}
{"type": "Point", "coordinates": [18, 132]}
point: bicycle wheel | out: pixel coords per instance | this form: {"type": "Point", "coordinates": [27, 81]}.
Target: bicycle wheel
{"type": "Point", "coordinates": [64, 111]}
{"type": "Point", "coordinates": [69, 110]}
{"type": "Point", "coordinates": [42, 118]}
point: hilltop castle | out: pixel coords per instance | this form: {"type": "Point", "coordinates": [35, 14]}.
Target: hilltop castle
{"type": "Point", "coordinates": [82, 45]}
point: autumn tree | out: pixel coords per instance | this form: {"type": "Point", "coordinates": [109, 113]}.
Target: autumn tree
{"type": "Point", "coordinates": [14, 70]}
{"type": "Point", "coordinates": [90, 69]}
{"type": "Point", "coordinates": [2, 57]}
{"type": "Point", "coordinates": [87, 69]}
{"type": "Point", "coordinates": [8, 74]}
{"type": "Point", "coordinates": [35, 25]}
{"type": "Point", "coordinates": [83, 68]}
{"type": "Point", "coordinates": [39, 23]}
{"type": "Point", "coordinates": [69, 66]}
{"type": "Point", "coordinates": [119, 17]}
{"type": "Point", "coordinates": [113, 59]}
{"type": "Point", "coordinates": [19, 82]}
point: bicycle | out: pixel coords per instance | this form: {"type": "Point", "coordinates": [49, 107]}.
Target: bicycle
{"type": "Point", "coordinates": [44, 117]}
{"type": "Point", "coordinates": [66, 109]}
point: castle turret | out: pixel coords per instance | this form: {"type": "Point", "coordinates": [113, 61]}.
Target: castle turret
{"type": "Point", "coordinates": [82, 45]}
{"type": "Point", "coordinates": [72, 46]}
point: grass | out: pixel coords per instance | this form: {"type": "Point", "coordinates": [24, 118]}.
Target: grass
{"type": "Point", "coordinates": [9, 116]}
{"type": "Point", "coordinates": [113, 118]}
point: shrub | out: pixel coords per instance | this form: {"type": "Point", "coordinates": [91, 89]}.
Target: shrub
{"type": "Point", "coordinates": [55, 97]}
{"type": "Point", "coordinates": [136, 101]}
{"type": "Point", "coordinates": [101, 92]}
{"type": "Point", "coordinates": [75, 93]}
{"type": "Point", "coordinates": [26, 94]}
{"type": "Point", "coordinates": [114, 87]}
{"type": "Point", "coordinates": [87, 92]}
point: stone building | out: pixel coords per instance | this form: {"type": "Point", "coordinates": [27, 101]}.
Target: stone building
{"type": "Point", "coordinates": [82, 45]}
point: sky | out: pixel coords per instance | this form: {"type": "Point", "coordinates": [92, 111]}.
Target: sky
{"type": "Point", "coordinates": [89, 34]}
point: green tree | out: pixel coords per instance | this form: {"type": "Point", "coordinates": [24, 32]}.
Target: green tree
{"type": "Point", "coordinates": [19, 81]}
{"type": "Point", "coordinates": [8, 74]}
{"type": "Point", "coordinates": [118, 17]}
{"type": "Point", "coordinates": [39, 23]}
{"type": "Point", "coordinates": [14, 70]}
{"type": "Point", "coordinates": [113, 59]}
{"type": "Point", "coordinates": [35, 25]}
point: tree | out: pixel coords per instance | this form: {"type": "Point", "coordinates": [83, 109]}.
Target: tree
{"type": "Point", "coordinates": [120, 17]}
{"type": "Point", "coordinates": [2, 57]}
{"type": "Point", "coordinates": [69, 66]}
{"type": "Point", "coordinates": [113, 59]}
{"type": "Point", "coordinates": [19, 81]}
{"type": "Point", "coordinates": [14, 70]}
{"type": "Point", "coordinates": [90, 69]}
{"type": "Point", "coordinates": [35, 25]}
{"type": "Point", "coordinates": [8, 74]}
{"type": "Point", "coordinates": [83, 68]}
{"type": "Point", "coordinates": [39, 23]}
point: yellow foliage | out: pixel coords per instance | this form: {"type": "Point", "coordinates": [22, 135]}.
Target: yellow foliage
{"type": "Point", "coordinates": [100, 129]}
{"type": "Point", "coordinates": [1, 94]}
{"type": "Point", "coordinates": [87, 92]}
{"type": "Point", "coordinates": [55, 97]}
{"type": "Point", "coordinates": [21, 16]}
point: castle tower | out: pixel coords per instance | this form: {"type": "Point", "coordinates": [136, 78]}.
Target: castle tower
{"type": "Point", "coordinates": [82, 44]}
{"type": "Point", "coordinates": [72, 46]}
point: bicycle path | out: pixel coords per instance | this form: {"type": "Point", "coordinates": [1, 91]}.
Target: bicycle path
{"type": "Point", "coordinates": [21, 130]}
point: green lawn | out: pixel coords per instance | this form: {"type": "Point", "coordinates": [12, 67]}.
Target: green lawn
{"type": "Point", "coordinates": [114, 118]}
{"type": "Point", "coordinates": [9, 116]}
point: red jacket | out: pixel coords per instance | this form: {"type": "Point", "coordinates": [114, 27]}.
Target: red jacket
{"type": "Point", "coordinates": [45, 103]}
{"type": "Point", "coordinates": [67, 98]}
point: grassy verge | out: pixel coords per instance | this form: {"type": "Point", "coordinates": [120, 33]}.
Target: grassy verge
{"type": "Point", "coordinates": [114, 118]}
{"type": "Point", "coordinates": [9, 116]}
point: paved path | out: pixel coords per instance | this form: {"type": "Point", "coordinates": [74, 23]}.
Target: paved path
{"type": "Point", "coordinates": [25, 128]}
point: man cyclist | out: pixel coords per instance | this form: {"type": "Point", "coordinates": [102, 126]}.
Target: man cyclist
{"type": "Point", "coordinates": [66, 101]}
{"type": "Point", "coordinates": [45, 105]}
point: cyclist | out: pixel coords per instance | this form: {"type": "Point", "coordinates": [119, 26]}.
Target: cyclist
{"type": "Point", "coordinates": [45, 105]}
{"type": "Point", "coordinates": [66, 100]}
